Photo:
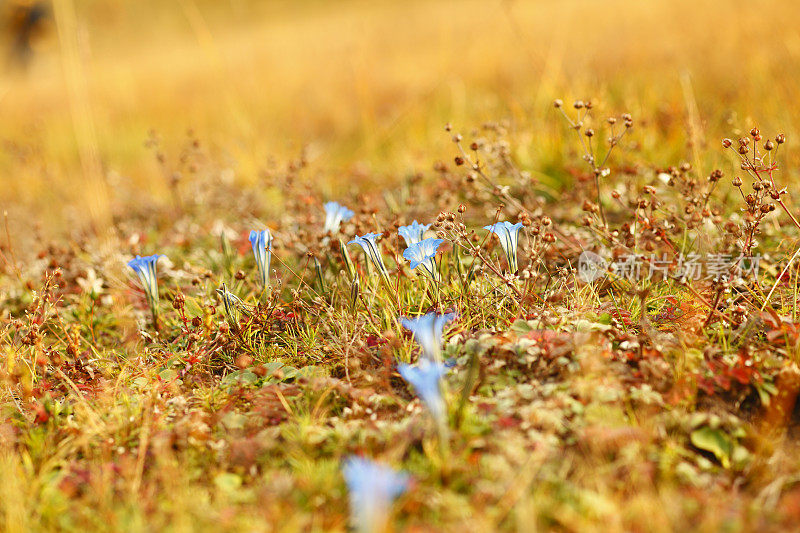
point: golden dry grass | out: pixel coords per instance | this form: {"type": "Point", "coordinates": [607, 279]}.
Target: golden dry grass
{"type": "Point", "coordinates": [372, 83]}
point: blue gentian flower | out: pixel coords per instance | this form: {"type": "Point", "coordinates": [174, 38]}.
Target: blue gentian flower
{"type": "Point", "coordinates": [413, 233]}
{"type": "Point", "coordinates": [425, 377]}
{"type": "Point", "coordinates": [373, 487]}
{"type": "Point", "coordinates": [335, 214]}
{"type": "Point", "coordinates": [424, 253]}
{"type": "Point", "coordinates": [262, 250]}
{"type": "Point", "coordinates": [508, 234]}
{"type": "Point", "coordinates": [427, 330]}
{"type": "Point", "coordinates": [370, 245]}
{"type": "Point", "coordinates": [145, 268]}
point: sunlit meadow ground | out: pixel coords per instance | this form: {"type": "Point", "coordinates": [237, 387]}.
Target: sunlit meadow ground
{"type": "Point", "coordinates": [149, 127]}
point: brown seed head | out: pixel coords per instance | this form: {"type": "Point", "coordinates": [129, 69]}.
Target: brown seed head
{"type": "Point", "coordinates": [243, 361]}
{"type": "Point", "coordinates": [178, 301]}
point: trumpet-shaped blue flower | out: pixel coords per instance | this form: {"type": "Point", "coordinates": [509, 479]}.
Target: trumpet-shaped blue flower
{"type": "Point", "coordinates": [335, 214]}
{"type": "Point", "coordinates": [413, 233]}
{"type": "Point", "coordinates": [425, 377]}
{"type": "Point", "coordinates": [370, 245]}
{"type": "Point", "coordinates": [427, 330]}
{"type": "Point", "coordinates": [424, 253]}
{"type": "Point", "coordinates": [372, 488]}
{"type": "Point", "coordinates": [262, 250]}
{"type": "Point", "coordinates": [508, 234]}
{"type": "Point", "coordinates": [145, 268]}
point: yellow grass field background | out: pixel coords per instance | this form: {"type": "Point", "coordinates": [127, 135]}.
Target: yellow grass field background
{"type": "Point", "coordinates": [365, 88]}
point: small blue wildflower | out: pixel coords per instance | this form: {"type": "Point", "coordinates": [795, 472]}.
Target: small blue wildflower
{"type": "Point", "coordinates": [413, 233]}
{"type": "Point", "coordinates": [424, 253]}
{"type": "Point", "coordinates": [508, 234]}
{"type": "Point", "coordinates": [370, 245]}
{"type": "Point", "coordinates": [427, 330]}
{"type": "Point", "coordinates": [373, 487]}
{"type": "Point", "coordinates": [145, 268]}
{"type": "Point", "coordinates": [262, 250]}
{"type": "Point", "coordinates": [425, 377]}
{"type": "Point", "coordinates": [335, 214]}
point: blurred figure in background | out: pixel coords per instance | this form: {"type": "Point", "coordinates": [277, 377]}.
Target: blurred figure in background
{"type": "Point", "coordinates": [24, 22]}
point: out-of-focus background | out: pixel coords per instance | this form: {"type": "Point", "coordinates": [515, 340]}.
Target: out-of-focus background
{"type": "Point", "coordinates": [364, 87]}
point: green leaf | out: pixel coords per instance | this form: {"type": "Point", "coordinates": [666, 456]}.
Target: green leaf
{"type": "Point", "coordinates": [714, 441]}
{"type": "Point", "coordinates": [766, 391]}
{"type": "Point", "coordinates": [167, 374]}
{"type": "Point", "coordinates": [240, 377]}
{"type": "Point", "coordinates": [587, 325]}
{"type": "Point", "coordinates": [310, 371]}
{"type": "Point", "coordinates": [521, 326]}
